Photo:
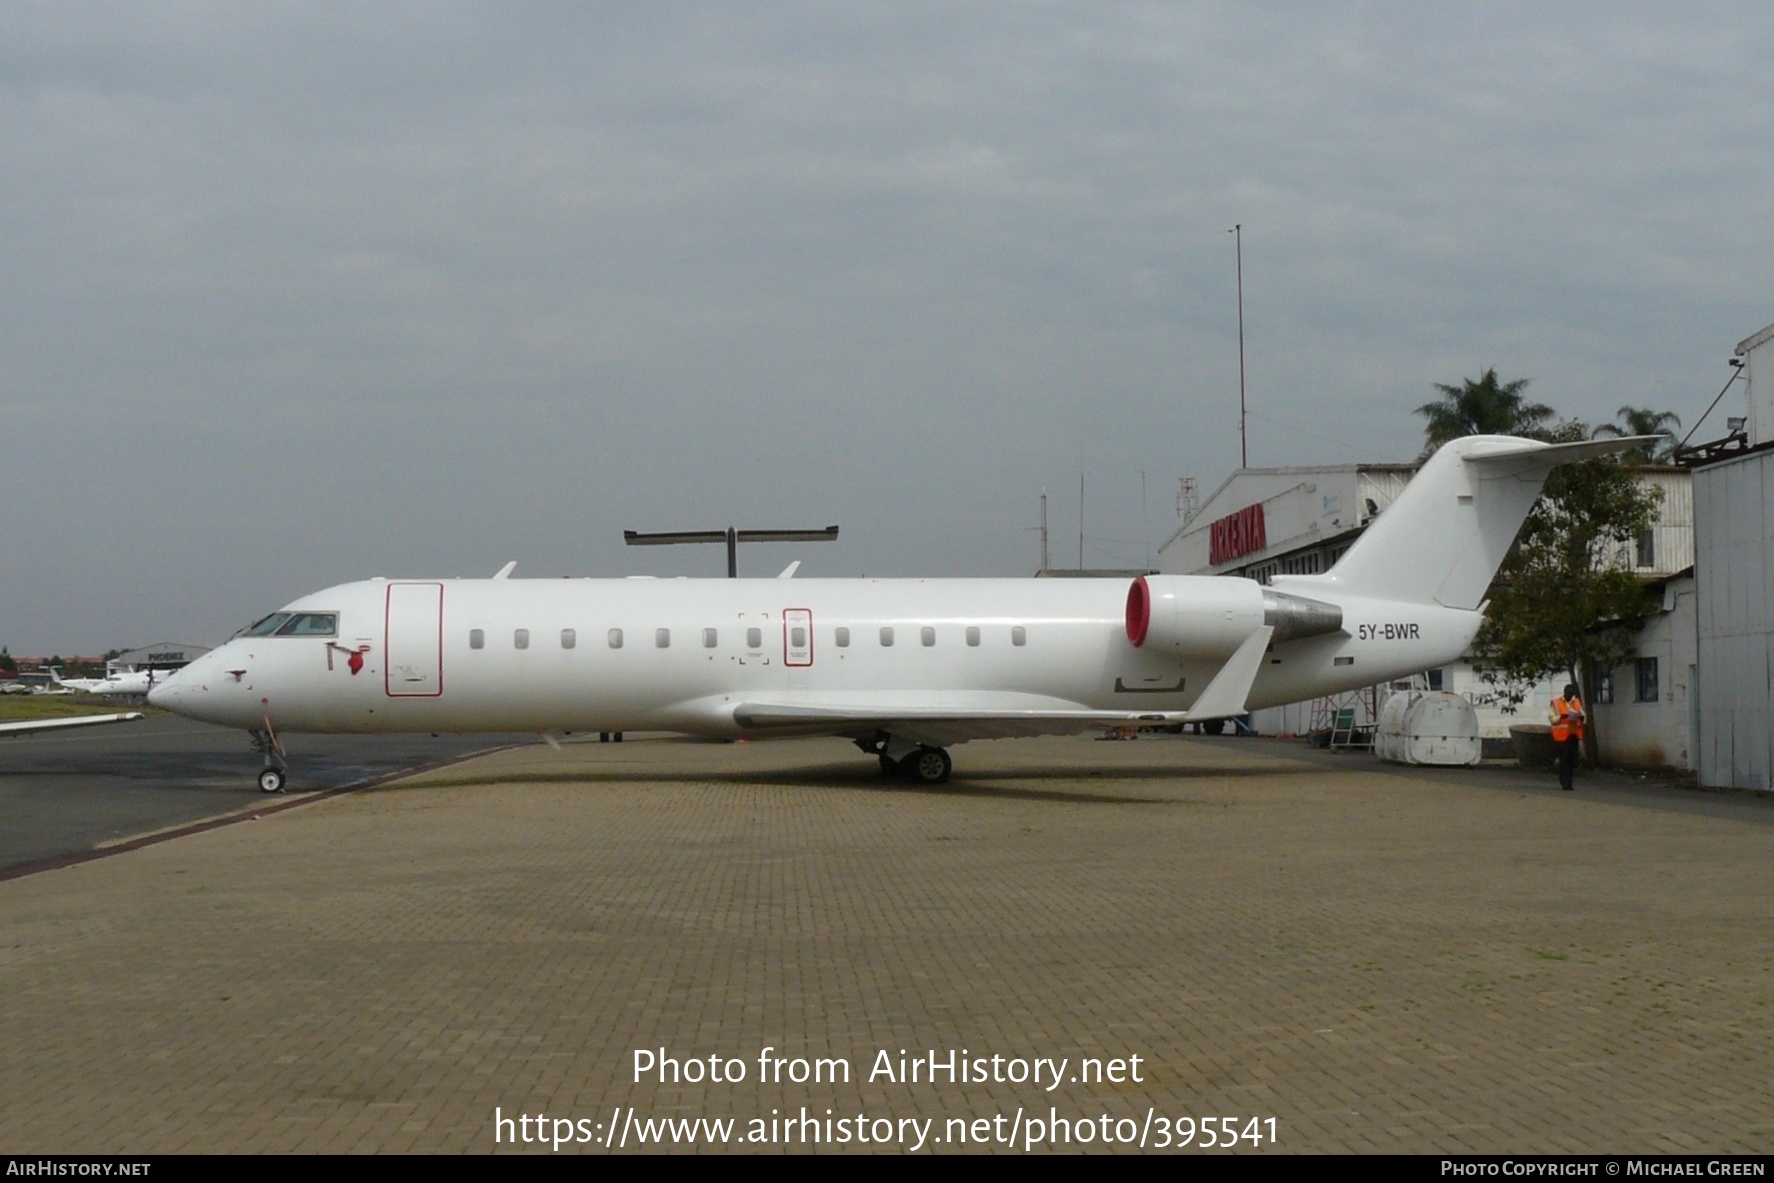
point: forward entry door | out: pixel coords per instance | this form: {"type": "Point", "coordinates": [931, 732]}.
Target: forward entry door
{"type": "Point", "coordinates": [414, 649]}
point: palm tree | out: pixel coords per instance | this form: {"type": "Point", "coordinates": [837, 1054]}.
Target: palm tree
{"type": "Point", "coordinates": [1645, 421]}
{"type": "Point", "coordinates": [1484, 407]}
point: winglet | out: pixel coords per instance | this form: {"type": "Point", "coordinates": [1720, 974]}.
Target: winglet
{"type": "Point", "coordinates": [506, 570]}
{"type": "Point", "coordinates": [1227, 694]}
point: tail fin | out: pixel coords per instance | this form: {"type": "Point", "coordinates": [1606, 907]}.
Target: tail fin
{"type": "Point", "coordinates": [1442, 541]}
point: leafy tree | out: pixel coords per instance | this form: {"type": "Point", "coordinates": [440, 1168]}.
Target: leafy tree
{"type": "Point", "coordinates": [1563, 604]}
{"type": "Point", "coordinates": [7, 664]}
{"type": "Point", "coordinates": [1485, 407]}
{"type": "Point", "coordinates": [1644, 421]}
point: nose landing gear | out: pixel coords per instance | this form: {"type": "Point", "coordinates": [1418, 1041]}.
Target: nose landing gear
{"type": "Point", "coordinates": [275, 772]}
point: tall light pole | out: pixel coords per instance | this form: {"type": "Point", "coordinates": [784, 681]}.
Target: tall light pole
{"type": "Point", "coordinates": [1237, 233]}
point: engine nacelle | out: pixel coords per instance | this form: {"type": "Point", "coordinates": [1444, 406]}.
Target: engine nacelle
{"type": "Point", "coordinates": [1209, 616]}
{"type": "Point", "coordinates": [1193, 615]}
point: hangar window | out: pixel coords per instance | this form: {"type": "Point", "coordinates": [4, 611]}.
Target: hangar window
{"type": "Point", "coordinates": [311, 624]}
{"type": "Point", "coordinates": [1019, 635]}
{"type": "Point", "coordinates": [754, 638]}
{"type": "Point", "coordinates": [927, 636]}
{"type": "Point", "coordinates": [887, 636]}
{"type": "Point", "coordinates": [569, 638]}
{"type": "Point", "coordinates": [973, 635]}
{"type": "Point", "coordinates": [1646, 670]}
{"type": "Point", "coordinates": [662, 638]}
{"type": "Point", "coordinates": [842, 636]}
{"type": "Point", "coordinates": [265, 626]}
{"type": "Point", "coordinates": [520, 638]}
{"type": "Point", "coordinates": [710, 638]}
{"type": "Point", "coordinates": [615, 638]}
{"type": "Point", "coordinates": [477, 638]}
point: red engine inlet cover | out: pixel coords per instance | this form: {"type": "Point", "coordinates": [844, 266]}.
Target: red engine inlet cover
{"type": "Point", "coordinates": [1139, 611]}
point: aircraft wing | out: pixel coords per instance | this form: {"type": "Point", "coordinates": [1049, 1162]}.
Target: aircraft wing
{"type": "Point", "coordinates": [936, 723]}
{"type": "Point", "coordinates": [32, 726]}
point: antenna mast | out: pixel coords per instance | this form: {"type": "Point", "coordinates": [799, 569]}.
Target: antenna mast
{"type": "Point", "coordinates": [1243, 447]}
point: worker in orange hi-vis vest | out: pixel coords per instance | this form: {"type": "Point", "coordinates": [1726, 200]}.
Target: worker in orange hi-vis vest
{"type": "Point", "coordinates": [1566, 714]}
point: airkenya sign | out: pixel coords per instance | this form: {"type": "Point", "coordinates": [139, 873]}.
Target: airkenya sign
{"type": "Point", "coordinates": [1236, 535]}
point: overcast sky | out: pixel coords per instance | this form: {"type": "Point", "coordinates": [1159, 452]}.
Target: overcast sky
{"type": "Point", "coordinates": [295, 294]}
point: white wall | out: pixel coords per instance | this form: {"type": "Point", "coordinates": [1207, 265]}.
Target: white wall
{"type": "Point", "coordinates": [1734, 539]}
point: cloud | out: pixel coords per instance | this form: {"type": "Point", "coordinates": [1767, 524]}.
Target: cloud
{"type": "Point", "coordinates": [307, 292]}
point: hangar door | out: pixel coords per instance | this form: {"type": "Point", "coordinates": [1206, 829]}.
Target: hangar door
{"type": "Point", "coordinates": [414, 648]}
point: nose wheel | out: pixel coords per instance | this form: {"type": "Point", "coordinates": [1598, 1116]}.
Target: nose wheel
{"type": "Point", "coordinates": [275, 772]}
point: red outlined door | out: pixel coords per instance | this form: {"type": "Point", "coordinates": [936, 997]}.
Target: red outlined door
{"type": "Point", "coordinates": [797, 637]}
{"type": "Point", "coordinates": [413, 653]}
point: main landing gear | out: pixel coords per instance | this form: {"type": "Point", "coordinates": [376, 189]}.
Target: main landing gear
{"type": "Point", "coordinates": [275, 772]}
{"type": "Point", "coordinates": [918, 763]}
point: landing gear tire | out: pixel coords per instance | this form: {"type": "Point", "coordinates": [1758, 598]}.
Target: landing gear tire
{"type": "Point", "coordinates": [271, 780]}
{"type": "Point", "coordinates": [927, 766]}
{"type": "Point", "coordinates": [889, 766]}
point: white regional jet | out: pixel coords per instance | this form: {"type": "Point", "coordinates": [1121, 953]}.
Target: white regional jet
{"type": "Point", "coordinates": [904, 667]}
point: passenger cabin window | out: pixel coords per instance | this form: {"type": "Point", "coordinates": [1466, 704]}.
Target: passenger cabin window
{"type": "Point", "coordinates": [662, 638]}
{"type": "Point", "coordinates": [842, 636]}
{"type": "Point", "coordinates": [520, 638]}
{"type": "Point", "coordinates": [477, 638]}
{"type": "Point", "coordinates": [569, 638]}
{"type": "Point", "coordinates": [973, 635]}
{"type": "Point", "coordinates": [797, 637]}
{"type": "Point", "coordinates": [311, 624]}
{"type": "Point", "coordinates": [710, 638]}
{"type": "Point", "coordinates": [754, 638]}
{"type": "Point", "coordinates": [615, 638]}
{"type": "Point", "coordinates": [1019, 635]}
{"type": "Point", "coordinates": [887, 637]}
{"type": "Point", "coordinates": [927, 636]}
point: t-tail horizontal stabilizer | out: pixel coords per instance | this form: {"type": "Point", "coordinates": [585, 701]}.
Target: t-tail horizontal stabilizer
{"type": "Point", "coordinates": [1226, 695]}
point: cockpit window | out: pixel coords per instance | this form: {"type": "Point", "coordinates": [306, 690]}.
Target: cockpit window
{"type": "Point", "coordinates": [266, 626]}
{"type": "Point", "coordinates": [311, 624]}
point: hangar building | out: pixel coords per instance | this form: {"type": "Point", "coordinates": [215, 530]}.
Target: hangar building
{"type": "Point", "coordinates": [1734, 581]}
{"type": "Point", "coordinates": [163, 655]}
{"type": "Point", "coordinates": [1266, 521]}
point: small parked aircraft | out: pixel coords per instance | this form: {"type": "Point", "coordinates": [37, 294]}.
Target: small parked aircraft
{"type": "Point", "coordinates": [122, 684]}
{"type": "Point", "coordinates": [903, 667]}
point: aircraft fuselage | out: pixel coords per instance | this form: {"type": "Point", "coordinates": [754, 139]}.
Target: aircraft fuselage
{"type": "Point", "coordinates": [683, 655]}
